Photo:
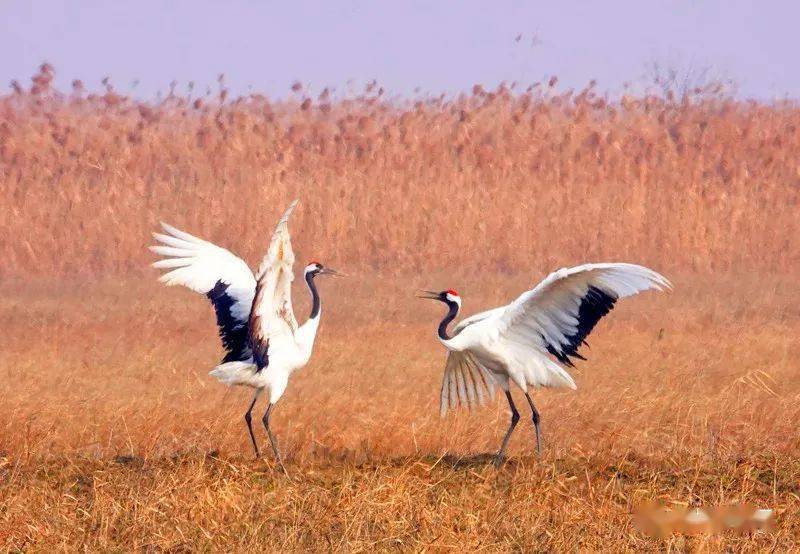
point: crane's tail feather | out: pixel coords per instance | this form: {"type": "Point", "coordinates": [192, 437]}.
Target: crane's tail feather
{"type": "Point", "coordinates": [235, 373]}
{"type": "Point", "coordinates": [541, 371]}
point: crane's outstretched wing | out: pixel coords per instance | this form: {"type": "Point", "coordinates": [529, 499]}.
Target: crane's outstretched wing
{"type": "Point", "coordinates": [562, 310]}
{"type": "Point", "coordinates": [215, 272]}
{"type": "Point", "coordinates": [465, 383]}
{"type": "Point", "coordinates": [272, 313]}
{"type": "Point", "coordinates": [475, 318]}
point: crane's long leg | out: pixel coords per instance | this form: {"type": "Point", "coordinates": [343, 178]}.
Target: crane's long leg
{"type": "Point", "coordinates": [272, 441]}
{"type": "Point", "coordinates": [248, 419]}
{"type": "Point", "coordinates": [535, 418]}
{"type": "Point", "coordinates": [514, 420]}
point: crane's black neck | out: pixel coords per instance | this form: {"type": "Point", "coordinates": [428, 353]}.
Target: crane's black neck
{"type": "Point", "coordinates": [315, 305]}
{"type": "Point", "coordinates": [450, 316]}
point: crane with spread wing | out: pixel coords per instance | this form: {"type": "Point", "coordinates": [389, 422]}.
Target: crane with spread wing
{"type": "Point", "coordinates": [529, 341]}
{"type": "Point", "coordinates": [264, 344]}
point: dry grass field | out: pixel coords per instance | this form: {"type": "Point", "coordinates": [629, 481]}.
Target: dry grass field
{"type": "Point", "coordinates": [113, 437]}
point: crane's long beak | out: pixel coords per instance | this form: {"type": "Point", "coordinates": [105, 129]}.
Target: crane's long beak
{"type": "Point", "coordinates": [429, 294]}
{"type": "Point", "coordinates": [333, 272]}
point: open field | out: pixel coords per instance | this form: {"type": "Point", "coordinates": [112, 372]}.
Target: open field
{"type": "Point", "coordinates": [113, 433]}
{"type": "Point", "coordinates": [112, 436]}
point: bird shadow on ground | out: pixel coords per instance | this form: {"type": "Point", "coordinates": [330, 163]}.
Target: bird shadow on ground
{"type": "Point", "coordinates": [456, 461]}
{"type": "Point", "coordinates": [479, 461]}
{"type": "Point", "coordinates": [453, 461]}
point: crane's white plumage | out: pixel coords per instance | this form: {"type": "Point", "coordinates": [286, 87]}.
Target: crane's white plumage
{"type": "Point", "coordinates": [465, 382]}
{"type": "Point", "coordinates": [257, 323]}
{"type": "Point", "coordinates": [223, 277]}
{"type": "Point", "coordinates": [274, 336]}
{"type": "Point", "coordinates": [273, 305]}
{"type": "Point", "coordinates": [198, 264]}
{"type": "Point", "coordinates": [529, 341]}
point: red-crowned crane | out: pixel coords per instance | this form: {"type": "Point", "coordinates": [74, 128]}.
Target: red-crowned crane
{"type": "Point", "coordinates": [264, 344]}
{"type": "Point", "coordinates": [528, 341]}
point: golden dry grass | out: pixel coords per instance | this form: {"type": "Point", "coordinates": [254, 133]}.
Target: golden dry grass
{"type": "Point", "coordinates": [113, 437]}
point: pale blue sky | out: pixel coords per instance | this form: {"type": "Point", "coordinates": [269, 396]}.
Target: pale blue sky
{"type": "Point", "coordinates": [443, 46]}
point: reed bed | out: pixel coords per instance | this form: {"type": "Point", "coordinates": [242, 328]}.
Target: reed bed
{"type": "Point", "coordinates": [499, 180]}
